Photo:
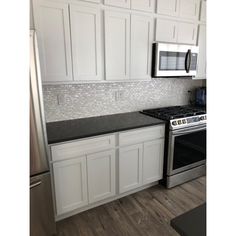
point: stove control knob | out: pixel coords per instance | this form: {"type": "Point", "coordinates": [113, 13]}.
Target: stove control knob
{"type": "Point", "coordinates": [184, 121]}
{"type": "Point", "coordinates": [174, 123]}
{"type": "Point", "coordinates": [179, 122]}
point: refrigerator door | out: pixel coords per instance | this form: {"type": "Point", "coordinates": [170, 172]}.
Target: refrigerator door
{"type": "Point", "coordinates": [38, 139]}
{"type": "Point", "coordinates": [41, 211]}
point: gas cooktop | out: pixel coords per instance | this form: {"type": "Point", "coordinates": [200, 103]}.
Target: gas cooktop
{"type": "Point", "coordinates": [179, 116]}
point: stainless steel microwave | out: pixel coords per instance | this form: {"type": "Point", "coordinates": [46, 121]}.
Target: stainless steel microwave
{"type": "Point", "coordinates": [174, 60]}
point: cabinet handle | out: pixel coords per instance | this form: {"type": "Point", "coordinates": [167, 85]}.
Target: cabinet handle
{"type": "Point", "coordinates": [35, 184]}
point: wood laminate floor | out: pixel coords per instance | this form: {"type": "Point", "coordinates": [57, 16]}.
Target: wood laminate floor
{"type": "Point", "coordinates": [147, 212]}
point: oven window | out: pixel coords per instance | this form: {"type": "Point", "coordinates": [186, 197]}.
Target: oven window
{"type": "Point", "coordinates": [189, 149]}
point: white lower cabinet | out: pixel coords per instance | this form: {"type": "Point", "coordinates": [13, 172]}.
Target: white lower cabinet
{"type": "Point", "coordinates": [130, 167]}
{"type": "Point", "coordinates": [70, 181]}
{"type": "Point", "coordinates": [153, 154]}
{"type": "Point", "coordinates": [101, 175]}
{"type": "Point", "coordinates": [140, 164]}
{"type": "Point", "coordinates": [95, 170]}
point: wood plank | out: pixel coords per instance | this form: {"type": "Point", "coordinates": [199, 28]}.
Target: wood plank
{"type": "Point", "coordinates": [147, 212]}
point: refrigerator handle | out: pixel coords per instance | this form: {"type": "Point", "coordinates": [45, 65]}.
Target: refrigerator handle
{"type": "Point", "coordinates": [35, 184]}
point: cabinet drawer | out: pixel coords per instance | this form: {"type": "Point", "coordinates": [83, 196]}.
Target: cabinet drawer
{"type": "Point", "coordinates": [77, 148]}
{"type": "Point", "coordinates": [141, 135]}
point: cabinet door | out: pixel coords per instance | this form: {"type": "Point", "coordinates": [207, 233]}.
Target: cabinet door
{"type": "Point", "coordinates": [187, 33]}
{"type": "Point", "coordinates": [118, 3]}
{"type": "Point", "coordinates": [201, 68]}
{"type": "Point", "coordinates": [203, 11]}
{"type": "Point", "coordinates": [189, 9]}
{"type": "Point", "coordinates": [101, 175]}
{"type": "Point", "coordinates": [167, 7]}
{"type": "Point", "coordinates": [52, 26]}
{"type": "Point", "coordinates": [117, 45]}
{"type": "Point", "coordinates": [70, 184]}
{"type": "Point", "coordinates": [141, 43]}
{"type": "Point", "coordinates": [166, 30]}
{"type": "Point", "coordinates": [143, 5]}
{"type": "Point", "coordinates": [86, 42]}
{"type": "Point", "coordinates": [130, 167]}
{"type": "Point", "coordinates": [153, 155]}
{"type": "Point", "coordinates": [95, 1]}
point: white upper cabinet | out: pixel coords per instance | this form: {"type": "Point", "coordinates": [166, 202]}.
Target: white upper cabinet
{"type": "Point", "coordinates": [143, 5]}
{"type": "Point", "coordinates": [201, 67]}
{"type": "Point", "coordinates": [117, 45]}
{"type": "Point", "coordinates": [173, 31]}
{"type": "Point", "coordinates": [141, 43]}
{"type": "Point", "coordinates": [203, 11]}
{"type": "Point", "coordinates": [153, 154]}
{"type": "Point", "coordinates": [187, 33]}
{"type": "Point", "coordinates": [70, 183]}
{"type": "Point", "coordinates": [95, 1]}
{"type": "Point", "coordinates": [101, 175]}
{"type": "Point", "coordinates": [167, 7]}
{"type": "Point", "coordinates": [166, 30]}
{"type": "Point", "coordinates": [130, 167]}
{"type": "Point", "coordinates": [118, 3]}
{"type": "Point", "coordinates": [189, 9]}
{"type": "Point", "coordinates": [53, 31]}
{"type": "Point", "coordinates": [86, 42]}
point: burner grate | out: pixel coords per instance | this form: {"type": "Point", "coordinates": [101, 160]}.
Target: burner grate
{"type": "Point", "coordinates": [169, 113]}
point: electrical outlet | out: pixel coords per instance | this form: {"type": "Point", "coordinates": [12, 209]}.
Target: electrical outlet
{"type": "Point", "coordinates": [119, 95]}
{"type": "Point", "coordinates": [61, 99]}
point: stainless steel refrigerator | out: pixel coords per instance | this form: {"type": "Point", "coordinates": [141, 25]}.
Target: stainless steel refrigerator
{"type": "Point", "coordinates": [41, 205]}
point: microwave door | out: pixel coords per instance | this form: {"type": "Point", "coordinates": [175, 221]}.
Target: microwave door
{"type": "Point", "coordinates": [172, 63]}
{"type": "Point", "coordinates": [173, 60]}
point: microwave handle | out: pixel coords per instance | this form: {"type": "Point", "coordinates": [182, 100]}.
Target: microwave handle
{"type": "Point", "coordinates": [188, 60]}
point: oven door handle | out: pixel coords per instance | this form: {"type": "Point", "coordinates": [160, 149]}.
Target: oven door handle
{"type": "Point", "coordinates": [188, 130]}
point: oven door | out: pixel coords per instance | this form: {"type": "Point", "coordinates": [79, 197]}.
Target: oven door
{"type": "Point", "coordinates": [175, 60]}
{"type": "Point", "coordinates": [187, 149]}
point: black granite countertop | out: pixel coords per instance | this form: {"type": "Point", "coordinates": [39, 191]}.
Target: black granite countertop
{"type": "Point", "coordinates": [67, 130]}
{"type": "Point", "coordinates": [191, 223]}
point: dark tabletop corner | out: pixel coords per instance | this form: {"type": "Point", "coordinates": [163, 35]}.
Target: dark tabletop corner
{"type": "Point", "coordinates": [61, 131]}
{"type": "Point", "coordinates": [191, 223]}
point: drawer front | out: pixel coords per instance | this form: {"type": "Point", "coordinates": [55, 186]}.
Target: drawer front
{"type": "Point", "coordinates": [78, 148]}
{"type": "Point", "coordinates": [141, 135]}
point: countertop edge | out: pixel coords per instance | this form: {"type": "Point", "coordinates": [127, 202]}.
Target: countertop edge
{"type": "Point", "coordinates": [50, 143]}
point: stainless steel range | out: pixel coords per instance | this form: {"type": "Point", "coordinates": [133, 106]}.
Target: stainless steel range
{"type": "Point", "coordinates": [185, 144]}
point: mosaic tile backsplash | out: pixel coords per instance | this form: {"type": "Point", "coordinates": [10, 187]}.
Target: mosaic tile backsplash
{"type": "Point", "coordinates": [63, 102]}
